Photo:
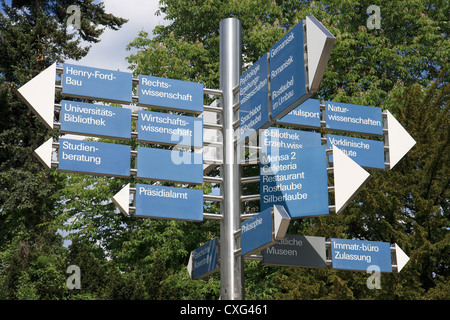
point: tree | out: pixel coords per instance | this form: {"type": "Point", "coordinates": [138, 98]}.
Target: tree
{"type": "Point", "coordinates": [33, 35]}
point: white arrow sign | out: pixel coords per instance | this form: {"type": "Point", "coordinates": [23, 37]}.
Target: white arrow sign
{"type": "Point", "coordinates": [349, 178]}
{"type": "Point", "coordinates": [122, 200]}
{"type": "Point", "coordinates": [318, 39]}
{"type": "Point", "coordinates": [39, 95]}
{"type": "Point", "coordinates": [44, 153]}
{"type": "Point", "coordinates": [399, 140]}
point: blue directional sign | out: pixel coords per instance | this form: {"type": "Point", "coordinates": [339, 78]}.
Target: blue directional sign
{"type": "Point", "coordinates": [94, 158]}
{"type": "Point", "coordinates": [95, 120]}
{"type": "Point", "coordinates": [253, 98]}
{"type": "Point", "coordinates": [256, 232]}
{"type": "Point", "coordinates": [95, 83]}
{"type": "Point", "coordinates": [306, 115]}
{"type": "Point", "coordinates": [297, 180]}
{"type": "Point", "coordinates": [171, 94]}
{"type": "Point", "coordinates": [272, 140]}
{"type": "Point", "coordinates": [169, 202]}
{"type": "Point", "coordinates": [353, 118]}
{"type": "Point", "coordinates": [359, 255]}
{"type": "Point", "coordinates": [367, 153]}
{"type": "Point", "coordinates": [205, 259]}
{"type": "Point", "coordinates": [170, 129]}
{"type": "Point", "coordinates": [287, 72]}
{"type": "Point", "coordinates": [169, 165]}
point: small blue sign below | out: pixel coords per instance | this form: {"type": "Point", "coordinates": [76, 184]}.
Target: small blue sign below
{"type": "Point", "coordinates": [353, 118]}
{"type": "Point", "coordinates": [171, 94]}
{"type": "Point", "coordinates": [359, 255]}
{"type": "Point", "coordinates": [95, 83]}
{"type": "Point", "coordinates": [256, 232]}
{"type": "Point", "coordinates": [169, 202]}
{"type": "Point", "coordinates": [306, 115]}
{"type": "Point", "coordinates": [169, 128]}
{"type": "Point", "coordinates": [92, 157]}
{"type": "Point", "coordinates": [367, 153]}
{"type": "Point", "coordinates": [205, 260]}
{"type": "Point", "coordinates": [169, 165]}
{"type": "Point", "coordinates": [95, 120]}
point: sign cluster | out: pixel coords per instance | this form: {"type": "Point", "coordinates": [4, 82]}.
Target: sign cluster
{"type": "Point", "coordinates": [114, 159]}
{"type": "Point", "coordinates": [294, 164]}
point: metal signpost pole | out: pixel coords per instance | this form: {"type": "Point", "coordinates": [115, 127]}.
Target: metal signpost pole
{"type": "Point", "coordinates": [231, 263]}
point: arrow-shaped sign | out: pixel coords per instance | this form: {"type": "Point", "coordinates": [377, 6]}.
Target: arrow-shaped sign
{"type": "Point", "coordinates": [400, 257]}
{"type": "Point", "coordinates": [349, 178]}
{"type": "Point", "coordinates": [39, 95]}
{"type": "Point", "coordinates": [399, 140]}
{"type": "Point", "coordinates": [44, 153]}
{"type": "Point", "coordinates": [264, 229]}
{"type": "Point", "coordinates": [346, 254]}
{"type": "Point", "coordinates": [319, 40]}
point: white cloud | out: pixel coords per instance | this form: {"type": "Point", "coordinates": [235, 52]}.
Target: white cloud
{"type": "Point", "coordinates": [110, 52]}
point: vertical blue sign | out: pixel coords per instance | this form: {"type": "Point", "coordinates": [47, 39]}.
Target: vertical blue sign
{"type": "Point", "coordinates": [95, 83]}
{"type": "Point", "coordinates": [287, 71]}
{"type": "Point", "coordinates": [353, 118]}
{"type": "Point", "coordinates": [297, 180]}
{"type": "Point", "coordinates": [253, 98]}
{"type": "Point", "coordinates": [171, 94]}
{"type": "Point", "coordinates": [169, 165]}
{"type": "Point", "coordinates": [94, 158]}
{"type": "Point", "coordinates": [169, 202]}
{"type": "Point", "coordinates": [367, 153]}
{"type": "Point", "coordinates": [95, 120]}
{"type": "Point", "coordinates": [205, 260]}
{"type": "Point", "coordinates": [359, 255]}
{"type": "Point", "coordinates": [256, 232]}
{"type": "Point", "coordinates": [305, 115]}
{"type": "Point", "coordinates": [170, 129]}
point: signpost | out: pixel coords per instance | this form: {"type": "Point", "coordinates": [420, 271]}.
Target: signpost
{"type": "Point", "coordinates": [293, 164]}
